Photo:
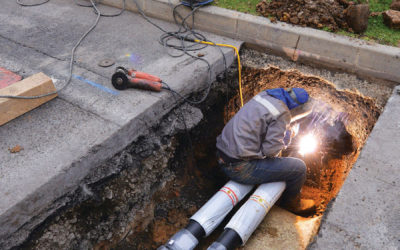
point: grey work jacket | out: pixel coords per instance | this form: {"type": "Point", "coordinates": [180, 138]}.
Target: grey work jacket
{"type": "Point", "coordinates": [257, 130]}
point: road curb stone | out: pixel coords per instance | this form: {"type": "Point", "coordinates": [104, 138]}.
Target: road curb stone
{"type": "Point", "coordinates": [298, 43]}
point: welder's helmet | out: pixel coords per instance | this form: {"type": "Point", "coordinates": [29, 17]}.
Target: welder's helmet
{"type": "Point", "coordinates": [296, 99]}
{"type": "Point", "coordinates": [298, 95]}
{"type": "Point", "coordinates": [292, 97]}
{"type": "Point", "coordinates": [303, 101]}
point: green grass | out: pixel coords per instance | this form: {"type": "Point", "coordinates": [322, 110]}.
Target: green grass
{"type": "Point", "coordinates": [246, 6]}
{"type": "Point", "coordinates": [377, 31]}
{"type": "Point", "coordinates": [378, 5]}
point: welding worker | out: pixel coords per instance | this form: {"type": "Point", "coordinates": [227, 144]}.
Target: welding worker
{"type": "Point", "coordinates": [249, 147]}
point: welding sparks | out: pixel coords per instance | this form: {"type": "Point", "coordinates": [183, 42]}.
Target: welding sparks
{"type": "Point", "coordinates": [308, 144]}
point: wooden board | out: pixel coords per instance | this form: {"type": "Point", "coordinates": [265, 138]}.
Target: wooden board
{"type": "Point", "coordinates": [34, 85]}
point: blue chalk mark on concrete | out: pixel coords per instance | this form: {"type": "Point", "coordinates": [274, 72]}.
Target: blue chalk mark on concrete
{"type": "Point", "coordinates": [99, 86]}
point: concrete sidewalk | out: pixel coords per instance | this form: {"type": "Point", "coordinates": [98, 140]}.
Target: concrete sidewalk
{"type": "Point", "coordinates": [66, 138]}
{"type": "Point", "coordinates": [366, 212]}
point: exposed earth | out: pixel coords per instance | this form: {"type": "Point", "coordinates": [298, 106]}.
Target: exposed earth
{"type": "Point", "coordinates": [342, 137]}
{"type": "Point", "coordinates": [341, 121]}
{"type": "Point", "coordinates": [317, 14]}
{"type": "Point", "coordinates": [114, 219]}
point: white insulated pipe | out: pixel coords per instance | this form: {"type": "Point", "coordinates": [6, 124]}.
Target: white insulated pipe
{"type": "Point", "coordinates": [204, 221]}
{"type": "Point", "coordinates": [249, 216]}
{"type": "Point", "coordinates": [214, 211]}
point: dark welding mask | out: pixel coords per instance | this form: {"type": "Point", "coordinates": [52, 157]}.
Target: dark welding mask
{"type": "Point", "coordinates": [302, 110]}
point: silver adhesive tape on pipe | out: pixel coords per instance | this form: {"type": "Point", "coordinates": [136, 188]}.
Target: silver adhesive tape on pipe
{"type": "Point", "coordinates": [250, 215]}
{"type": "Point", "coordinates": [214, 211]}
{"type": "Point", "coordinates": [182, 240]}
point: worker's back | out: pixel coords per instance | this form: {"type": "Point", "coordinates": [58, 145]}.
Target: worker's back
{"type": "Point", "coordinates": [256, 130]}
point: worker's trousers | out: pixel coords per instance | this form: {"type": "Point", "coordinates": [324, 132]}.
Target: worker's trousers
{"type": "Point", "coordinates": [288, 169]}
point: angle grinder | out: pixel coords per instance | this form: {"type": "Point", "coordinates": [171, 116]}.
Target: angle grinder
{"type": "Point", "coordinates": [123, 79]}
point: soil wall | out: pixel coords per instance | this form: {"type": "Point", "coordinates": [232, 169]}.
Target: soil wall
{"type": "Point", "coordinates": [154, 186]}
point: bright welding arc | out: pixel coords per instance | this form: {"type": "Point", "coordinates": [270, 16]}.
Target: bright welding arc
{"type": "Point", "coordinates": [308, 144]}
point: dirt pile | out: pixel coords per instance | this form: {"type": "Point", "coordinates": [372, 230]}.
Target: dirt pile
{"type": "Point", "coordinates": [312, 13]}
{"type": "Point", "coordinates": [392, 18]}
{"type": "Point", "coordinates": [341, 121]}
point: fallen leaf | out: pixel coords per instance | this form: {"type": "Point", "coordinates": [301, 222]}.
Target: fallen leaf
{"type": "Point", "coordinates": [375, 13]}
{"type": "Point", "coordinates": [15, 149]}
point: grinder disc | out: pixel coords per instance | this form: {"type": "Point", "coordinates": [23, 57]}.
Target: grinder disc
{"type": "Point", "coordinates": [107, 62]}
{"type": "Point", "coordinates": [120, 81]}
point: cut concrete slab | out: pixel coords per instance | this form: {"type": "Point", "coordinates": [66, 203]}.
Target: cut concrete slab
{"type": "Point", "coordinates": [366, 212]}
{"type": "Point", "coordinates": [55, 137]}
{"type": "Point", "coordinates": [283, 230]}
{"type": "Point", "coordinates": [66, 139]}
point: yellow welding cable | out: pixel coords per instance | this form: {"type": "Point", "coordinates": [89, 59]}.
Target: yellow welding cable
{"type": "Point", "coordinates": [238, 59]}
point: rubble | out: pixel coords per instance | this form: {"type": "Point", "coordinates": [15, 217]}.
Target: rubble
{"type": "Point", "coordinates": [395, 5]}
{"type": "Point", "coordinates": [392, 18]}
{"type": "Point", "coordinates": [357, 17]}
{"type": "Point", "coordinates": [316, 14]}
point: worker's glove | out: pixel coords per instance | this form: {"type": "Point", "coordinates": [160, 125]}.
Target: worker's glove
{"type": "Point", "coordinates": [295, 129]}
{"type": "Point", "coordinates": [290, 134]}
{"type": "Point", "coordinates": [287, 138]}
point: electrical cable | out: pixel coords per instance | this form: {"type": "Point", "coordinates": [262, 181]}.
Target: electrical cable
{"type": "Point", "coordinates": [203, 40]}
{"type": "Point", "coordinates": [116, 14]}
{"type": "Point", "coordinates": [102, 14]}
{"type": "Point", "coordinates": [71, 63]}
{"type": "Point", "coordinates": [185, 34]}
{"type": "Point", "coordinates": [238, 59]}
{"type": "Point", "coordinates": [33, 4]}
{"type": "Point", "coordinates": [83, 5]}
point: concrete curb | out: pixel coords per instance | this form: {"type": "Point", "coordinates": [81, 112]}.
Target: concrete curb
{"type": "Point", "coordinates": [298, 43]}
{"type": "Point", "coordinates": [366, 214]}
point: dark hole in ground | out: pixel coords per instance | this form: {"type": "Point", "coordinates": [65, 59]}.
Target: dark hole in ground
{"type": "Point", "coordinates": [342, 119]}
{"type": "Point", "coordinates": [342, 122]}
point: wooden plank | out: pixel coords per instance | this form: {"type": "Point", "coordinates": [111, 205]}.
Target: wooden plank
{"type": "Point", "coordinates": [34, 85]}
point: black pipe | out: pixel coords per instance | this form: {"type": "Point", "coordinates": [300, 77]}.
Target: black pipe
{"type": "Point", "coordinates": [196, 229]}
{"type": "Point", "coordinates": [229, 239]}
{"type": "Point", "coordinates": [186, 238]}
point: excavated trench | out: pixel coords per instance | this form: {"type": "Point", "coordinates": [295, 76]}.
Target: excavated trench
{"type": "Point", "coordinates": [341, 120]}
{"type": "Point", "coordinates": [167, 175]}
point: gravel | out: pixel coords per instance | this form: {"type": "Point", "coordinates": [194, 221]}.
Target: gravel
{"type": "Point", "coordinates": [377, 89]}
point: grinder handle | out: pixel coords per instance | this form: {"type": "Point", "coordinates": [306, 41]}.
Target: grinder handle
{"type": "Point", "coordinates": [146, 84]}
{"type": "Point", "coordinates": [142, 75]}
